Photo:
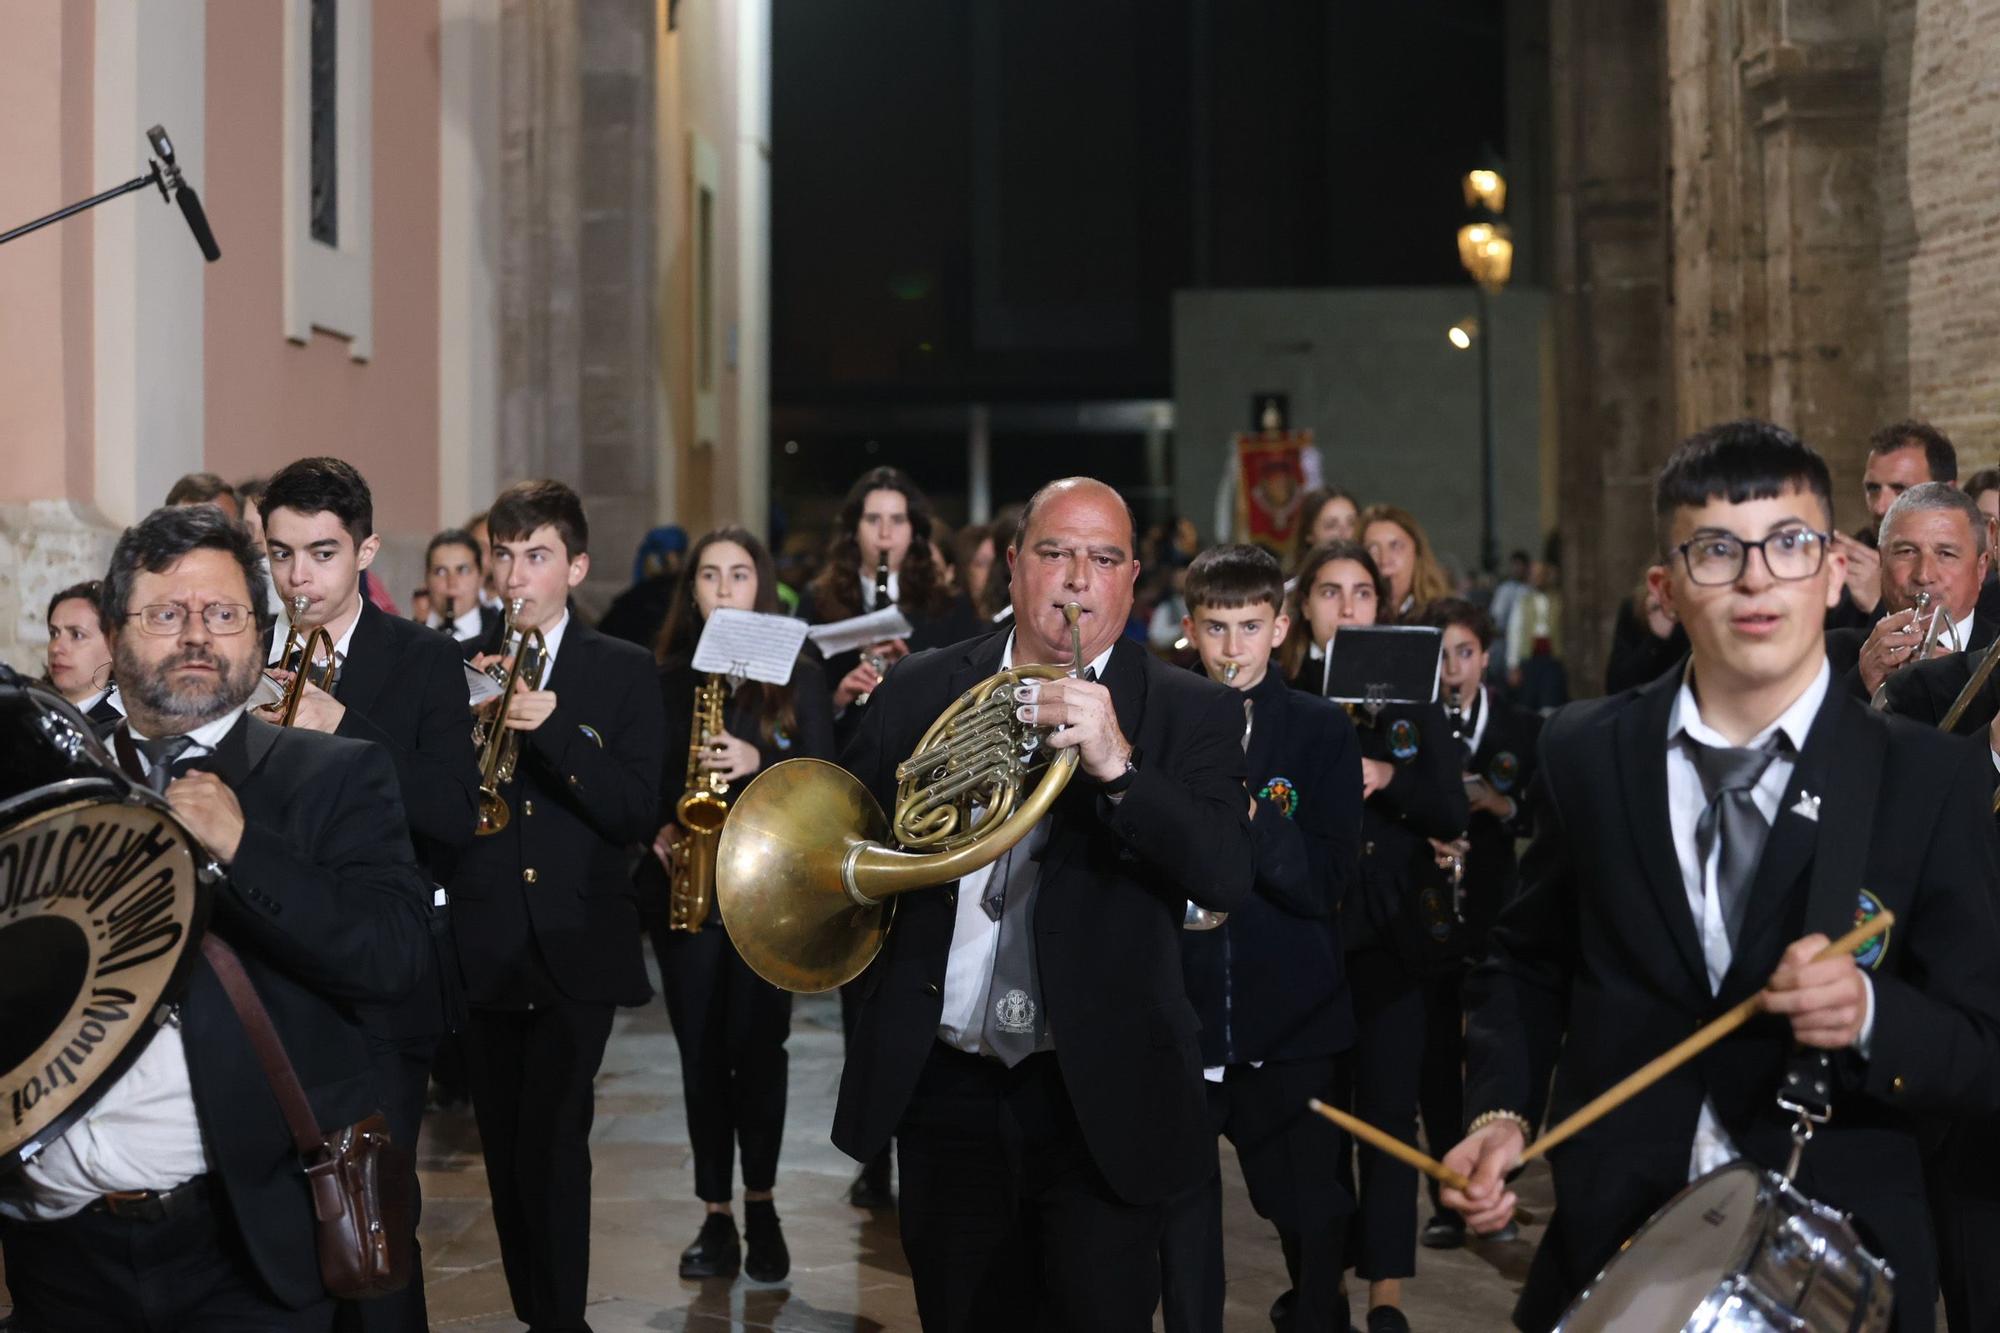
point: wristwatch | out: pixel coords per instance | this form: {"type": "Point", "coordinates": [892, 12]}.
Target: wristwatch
{"type": "Point", "coordinates": [1117, 786]}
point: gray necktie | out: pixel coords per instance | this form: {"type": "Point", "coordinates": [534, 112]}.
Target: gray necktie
{"type": "Point", "coordinates": [161, 752]}
{"type": "Point", "coordinates": [1727, 778]}
{"type": "Point", "coordinates": [1016, 1026]}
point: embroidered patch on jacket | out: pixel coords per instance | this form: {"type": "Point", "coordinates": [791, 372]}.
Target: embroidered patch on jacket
{"type": "Point", "coordinates": [1867, 909]}
{"type": "Point", "coordinates": [1281, 793]}
{"type": "Point", "coordinates": [1403, 739]}
{"type": "Point", "coordinates": [782, 739]}
{"type": "Point", "coordinates": [590, 734]}
{"type": "Point", "coordinates": [1503, 772]}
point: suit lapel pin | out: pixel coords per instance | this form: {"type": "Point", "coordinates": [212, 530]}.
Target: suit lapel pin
{"type": "Point", "coordinates": [1808, 805]}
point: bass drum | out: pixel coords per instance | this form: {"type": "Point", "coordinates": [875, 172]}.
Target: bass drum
{"type": "Point", "coordinates": [1738, 1251]}
{"type": "Point", "coordinates": [103, 895]}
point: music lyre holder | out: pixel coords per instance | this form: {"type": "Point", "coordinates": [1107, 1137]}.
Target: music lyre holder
{"type": "Point", "coordinates": [166, 174]}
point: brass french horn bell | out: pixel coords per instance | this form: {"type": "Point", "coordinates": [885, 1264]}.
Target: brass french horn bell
{"type": "Point", "coordinates": [808, 865]}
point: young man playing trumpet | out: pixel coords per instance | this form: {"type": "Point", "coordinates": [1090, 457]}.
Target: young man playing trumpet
{"type": "Point", "coordinates": [1698, 842]}
{"type": "Point", "coordinates": [403, 687]}
{"type": "Point", "coordinates": [544, 912]}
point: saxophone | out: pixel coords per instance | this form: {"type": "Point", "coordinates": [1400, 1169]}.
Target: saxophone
{"type": "Point", "coordinates": [699, 813]}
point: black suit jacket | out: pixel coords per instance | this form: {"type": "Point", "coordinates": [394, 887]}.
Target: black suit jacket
{"type": "Point", "coordinates": [1113, 892]}
{"type": "Point", "coordinates": [1269, 983]}
{"type": "Point", "coordinates": [404, 689]}
{"type": "Point", "coordinates": [325, 905]}
{"type": "Point", "coordinates": [489, 633]}
{"type": "Point", "coordinates": [1843, 652]}
{"type": "Point", "coordinates": [1597, 966]}
{"type": "Point", "coordinates": [545, 908]}
{"type": "Point", "coordinates": [1925, 691]}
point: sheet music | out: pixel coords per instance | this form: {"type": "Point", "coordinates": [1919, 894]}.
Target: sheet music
{"type": "Point", "coordinates": [479, 686]}
{"type": "Point", "coordinates": [838, 636]}
{"type": "Point", "coordinates": [750, 644]}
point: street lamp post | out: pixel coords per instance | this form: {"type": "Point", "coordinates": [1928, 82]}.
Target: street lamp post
{"type": "Point", "coordinates": [1486, 250]}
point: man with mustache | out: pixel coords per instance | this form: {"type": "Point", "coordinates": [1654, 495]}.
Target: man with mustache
{"type": "Point", "coordinates": [1025, 1034]}
{"type": "Point", "coordinates": [179, 1201]}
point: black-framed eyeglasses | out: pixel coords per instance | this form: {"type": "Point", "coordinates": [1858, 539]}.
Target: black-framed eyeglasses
{"type": "Point", "coordinates": [1717, 558]}
{"type": "Point", "coordinates": [221, 618]}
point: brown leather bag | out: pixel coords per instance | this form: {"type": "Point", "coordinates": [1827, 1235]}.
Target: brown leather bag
{"type": "Point", "coordinates": [362, 1184]}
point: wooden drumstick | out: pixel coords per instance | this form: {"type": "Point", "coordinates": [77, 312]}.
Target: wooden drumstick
{"type": "Point", "coordinates": [1658, 1068]}
{"type": "Point", "coordinates": [1403, 1152]}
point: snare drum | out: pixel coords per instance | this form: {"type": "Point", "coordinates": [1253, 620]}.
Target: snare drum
{"type": "Point", "coordinates": [1738, 1251]}
{"type": "Point", "coordinates": [103, 895]}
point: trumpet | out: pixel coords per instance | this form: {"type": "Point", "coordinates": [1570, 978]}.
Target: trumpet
{"type": "Point", "coordinates": [1937, 627]}
{"type": "Point", "coordinates": [312, 668]}
{"type": "Point", "coordinates": [499, 744]}
{"type": "Point", "coordinates": [807, 865]}
{"type": "Point", "coordinates": [700, 813]}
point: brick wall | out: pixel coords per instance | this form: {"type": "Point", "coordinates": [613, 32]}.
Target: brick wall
{"type": "Point", "coordinates": [1939, 189]}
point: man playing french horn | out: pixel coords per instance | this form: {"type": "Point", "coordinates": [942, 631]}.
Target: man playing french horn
{"type": "Point", "coordinates": [1024, 1034]}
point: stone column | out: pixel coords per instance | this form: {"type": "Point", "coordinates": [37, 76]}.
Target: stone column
{"type": "Point", "coordinates": [1610, 296]}
{"type": "Point", "coordinates": [578, 367]}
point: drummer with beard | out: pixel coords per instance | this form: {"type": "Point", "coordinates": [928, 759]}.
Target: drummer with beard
{"type": "Point", "coordinates": [178, 1201]}
{"type": "Point", "coordinates": [1698, 841]}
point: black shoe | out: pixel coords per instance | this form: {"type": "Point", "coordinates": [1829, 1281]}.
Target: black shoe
{"type": "Point", "coordinates": [1387, 1319]}
{"type": "Point", "coordinates": [1505, 1234]}
{"type": "Point", "coordinates": [766, 1258]}
{"type": "Point", "coordinates": [871, 1187]}
{"type": "Point", "coordinates": [716, 1252]}
{"type": "Point", "coordinates": [1445, 1231]}
{"type": "Point", "coordinates": [1281, 1310]}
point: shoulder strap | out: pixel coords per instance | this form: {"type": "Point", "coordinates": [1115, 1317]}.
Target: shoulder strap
{"type": "Point", "coordinates": [271, 1055]}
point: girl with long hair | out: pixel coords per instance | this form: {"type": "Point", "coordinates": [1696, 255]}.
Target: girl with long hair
{"type": "Point", "coordinates": [1406, 558]}
{"type": "Point", "coordinates": [1412, 792]}
{"type": "Point", "coordinates": [1327, 514]}
{"type": "Point", "coordinates": [730, 1023]}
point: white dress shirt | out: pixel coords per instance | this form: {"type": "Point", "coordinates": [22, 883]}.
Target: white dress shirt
{"type": "Point", "coordinates": [464, 627]}
{"type": "Point", "coordinates": [142, 1134]}
{"type": "Point", "coordinates": [975, 936]}
{"type": "Point", "coordinates": [1685, 803]}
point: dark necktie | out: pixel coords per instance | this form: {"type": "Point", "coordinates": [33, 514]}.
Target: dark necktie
{"type": "Point", "coordinates": [1015, 1025]}
{"type": "Point", "coordinates": [1728, 776]}
{"type": "Point", "coordinates": [161, 752]}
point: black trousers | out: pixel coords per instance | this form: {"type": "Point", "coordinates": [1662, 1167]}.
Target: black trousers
{"type": "Point", "coordinates": [1007, 1223]}
{"type": "Point", "coordinates": [1962, 1180]}
{"type": "Point", "coordinates": [185, 1273]}
{"type": "Point", "coordinates": [1441, 1088]}
{"type": "Point", "coordinates": [403, 1071]}
{"type": "Point", "coordinates": [1291, 1161]}
{"type": "Point", "coordinates": [731, 1025]}
{"type": "Point", "coordinates": [531, 1072]}
{"type": "Point", "coordinates": [1380, 1086]}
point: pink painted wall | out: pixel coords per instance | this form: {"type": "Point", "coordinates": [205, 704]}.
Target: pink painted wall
{"type": "Point", "coordinates": [45, 310]}
{"type": "Point", "coordinates": [270, 400]}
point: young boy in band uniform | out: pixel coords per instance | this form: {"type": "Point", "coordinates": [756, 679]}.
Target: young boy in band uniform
{"type": "Point", "coordinates": [1268, 982]}
{"type": "Point", "coordinates": [1698, 841]}
{"type": "Point", "coordinates": [544, 912]}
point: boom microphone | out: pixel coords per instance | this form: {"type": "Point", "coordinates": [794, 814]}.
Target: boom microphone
{"type": "Point", "coordinates": [174, 184]}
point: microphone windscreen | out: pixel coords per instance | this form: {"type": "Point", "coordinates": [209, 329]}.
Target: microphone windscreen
{"type": "Point", "coordinates": [198, 222]}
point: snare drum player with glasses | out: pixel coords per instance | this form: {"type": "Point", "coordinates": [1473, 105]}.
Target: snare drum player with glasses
{"type": "Point", "coordinates": [1698, 840]}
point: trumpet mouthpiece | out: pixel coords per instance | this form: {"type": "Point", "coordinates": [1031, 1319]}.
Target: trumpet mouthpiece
{"type": "Point", "coordinates": [300, 603]}
{"type": "Point", "coordinates": [1071, 611]}
{"type": "Point", "coordinates": [1229, 670]}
